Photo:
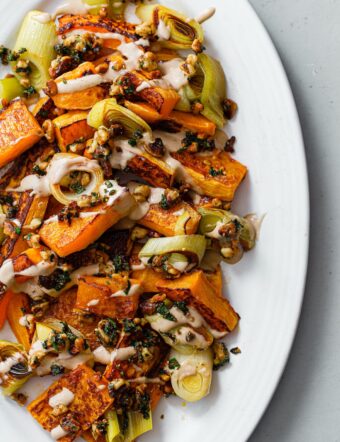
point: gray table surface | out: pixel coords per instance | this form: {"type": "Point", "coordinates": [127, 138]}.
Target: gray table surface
{"type": "Point", "coordinates": [306, 406]}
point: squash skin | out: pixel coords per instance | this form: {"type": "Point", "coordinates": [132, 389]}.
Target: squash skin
{"type": "Point", "coordinates": [89, 402]}
{"type": "Point", "coordinates": [91, 23]}
{"type": "Point", "coordinates": [219, 186]}
{"type": "Point", "coordinates": [71, 127]}
{"type": "Point", "coordinates": [96, 288]}
{"type": "Point", "coordinates": [65, 239]}
{"type": "Point", "coordinates": [196, 290]}
{"type": "Point", "coordinates": [165, 221]}
{"type": "Point", "coordinates": [152, 170]}
{"type": "Point", "coordinates": [19, 131]}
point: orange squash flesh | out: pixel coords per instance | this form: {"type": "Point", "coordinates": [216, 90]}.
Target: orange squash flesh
{"type": "Point", "coordinates": [28, 258]}
{"type": "Point", "coordinates": [19, 131]}
{"type": "Point", "coordinates": [169, 222]}
{"type": "Point", "coordinates": [152, 170]}
{"type": "Point", "coordinates": [89, 403]}
{"type": "Point", "coordinates": [194, 123]}
{"type": "Point", "coordinates": [19, 306]}
{"type": "Point", "coordinates": [91, 288]}
{"type": "Point", "coordinates": [65, 239]}
{"type": "Point", "coordinates": [91, 23]}
{"type": "Point", "coordinates": [163, 100]}
{"type": "Point", "coordinates": [216, 280]}
{"type": "Point", "coordinates": [217, 175]}
{"type": "Point", "coordinates": [37, 210]}
{"type": "Point", "coordinates": [196, 290]}
{"type": "Point", "coordinates": [145, 111]}
{"type": "Point", "coordinates": [82, 100]}
{"type": "Point", "coordinates": [72, 127]}
{"type": "Point", "coordinates": [4, 301]}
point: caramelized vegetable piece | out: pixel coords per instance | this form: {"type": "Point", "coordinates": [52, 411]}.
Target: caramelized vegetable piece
{"type": "Point", "coordinates": [145, 111]}
{"type": "Point", "coordinates": [116, 297]}
{"type": "Point", "coordinates": [19, 131]}
{"type": "Point", "coordinates": [28, 258]}
{"type": "Point", "coordinates": [72, 128]}
{"type": "Point", "coordinates": [65, 239]}
{"type": "Point", "coordinates": [180, 219]}
{"type": "Point", "coordinates": [152, 170]}
{"type": "Point", "coordinates": [196, 290]}
{"type": "Point", "coordinates": [216, 280]}
{"type": "Point", "coordinates": [44, 109]}
{"type": "Point", "coordinates": [149, 278]}
{"type": "Point", "coordinates": [35, 214]}
{"type": "Point", "coordinates": [217, 175]}
{"type": "Point", "coordinates": [194, 123]}
{"type": "Point", "coordinates": [4, 301]}
{"type": "Point", "coordinates": [64, 310]}
{"type": "Point", "coordinates": [91, 400]}
{"type": "Point", "coordinates": [162, 100]}
{"type": "Point", "coordinates": [82, 100]}
{"type": "Point", "coordinates": [18, 307]}
{"type": "Point", "coordinates": [91, 23]}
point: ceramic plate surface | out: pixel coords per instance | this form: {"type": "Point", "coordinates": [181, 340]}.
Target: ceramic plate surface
{"type": "Point", "coordinates": [267, 287]}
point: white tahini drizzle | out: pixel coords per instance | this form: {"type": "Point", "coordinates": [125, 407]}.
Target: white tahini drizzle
{"type": "Point", "coordinates": [64, 397]}
{"type": "Point", "coordinates": [205, 15]}
{"type": "Point", "coordinates": [103, 356]}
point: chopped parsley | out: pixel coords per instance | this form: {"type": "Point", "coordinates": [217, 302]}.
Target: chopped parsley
{"type": "Point", "coordinates": [57, 280]}
{"type": "Point", "coordinates": [17, 230]}
{"type": "Point", "coordinates": [164, 203]}
{"type": "Point", "coordinates": [36, 169]}
{"type": "Point", "coordinates": [77, 188]}
{"type": "Point", "coordinates": [128, 287]}
{"type": "Point", "coordinates": [201, 144]}
{"type": "Point", "coordinates": [181, 305]}
{"type": "Point", "coordinates": [57, 369]}
{"type": "Point", "coordinates": [29, 91]}
{"type": "Point", "coordinates": [164, 311]}
{"type": "Point", "coordinates": [216, 172]}
{"type": "Point", "coordinates": [129, 326]}
{"type": "Point", "coordinates": [173, 364]}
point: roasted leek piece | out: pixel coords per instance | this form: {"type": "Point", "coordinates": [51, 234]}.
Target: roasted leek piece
{"type": "Point", "coordinates": [175, 30]}
{"type": "Point", "coordinates": [14, 367]}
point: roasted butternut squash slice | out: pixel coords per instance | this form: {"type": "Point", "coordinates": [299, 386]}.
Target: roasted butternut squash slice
{"type": "Point", "coordinates": [35, 214]}
{"type": "Point", "coordinates": [91, 400]}
{"type": "Point", "coordinates": [64, 309]}
{"type": "Point", "coordinates": [19, 131]}
{"type": "Point", "coordinates": [149, 278]}
{"type": "Point", "coordinates": [81, 100]}
{"type": "Point", "coordinates": [162, 100]}
{"type": "Point", "coordinates": [18, 307]}
{"type": "Point", "coordinates": [72, 127]}
{"type": "Point", "coordinates": [91, 23]}
{"type": "Point", "coordinates": [5, 299]}
{"type": "Point", "coordinates": [65, 239]}
{"type": "Point", "coordinates": [28, 258]}
{"type": "Point", "coordinates": [44, 109]}
{"type": "Point", "coordinates": [181, 219]}
{"type": "Point", "coordinates": [115, 297]}
{"type": "Point", "coordinates": [196, 290]}
{"type": "Point", "coordinates": [144, 110]}
{"type": "Point", "coordinates": [217, 175]}
{"type": "Point", "coordinates": [194, 123]}
{"type": "Point", "coordinates": [152, 170]}
{"type": "Point", "coordinates": [216, 280]}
